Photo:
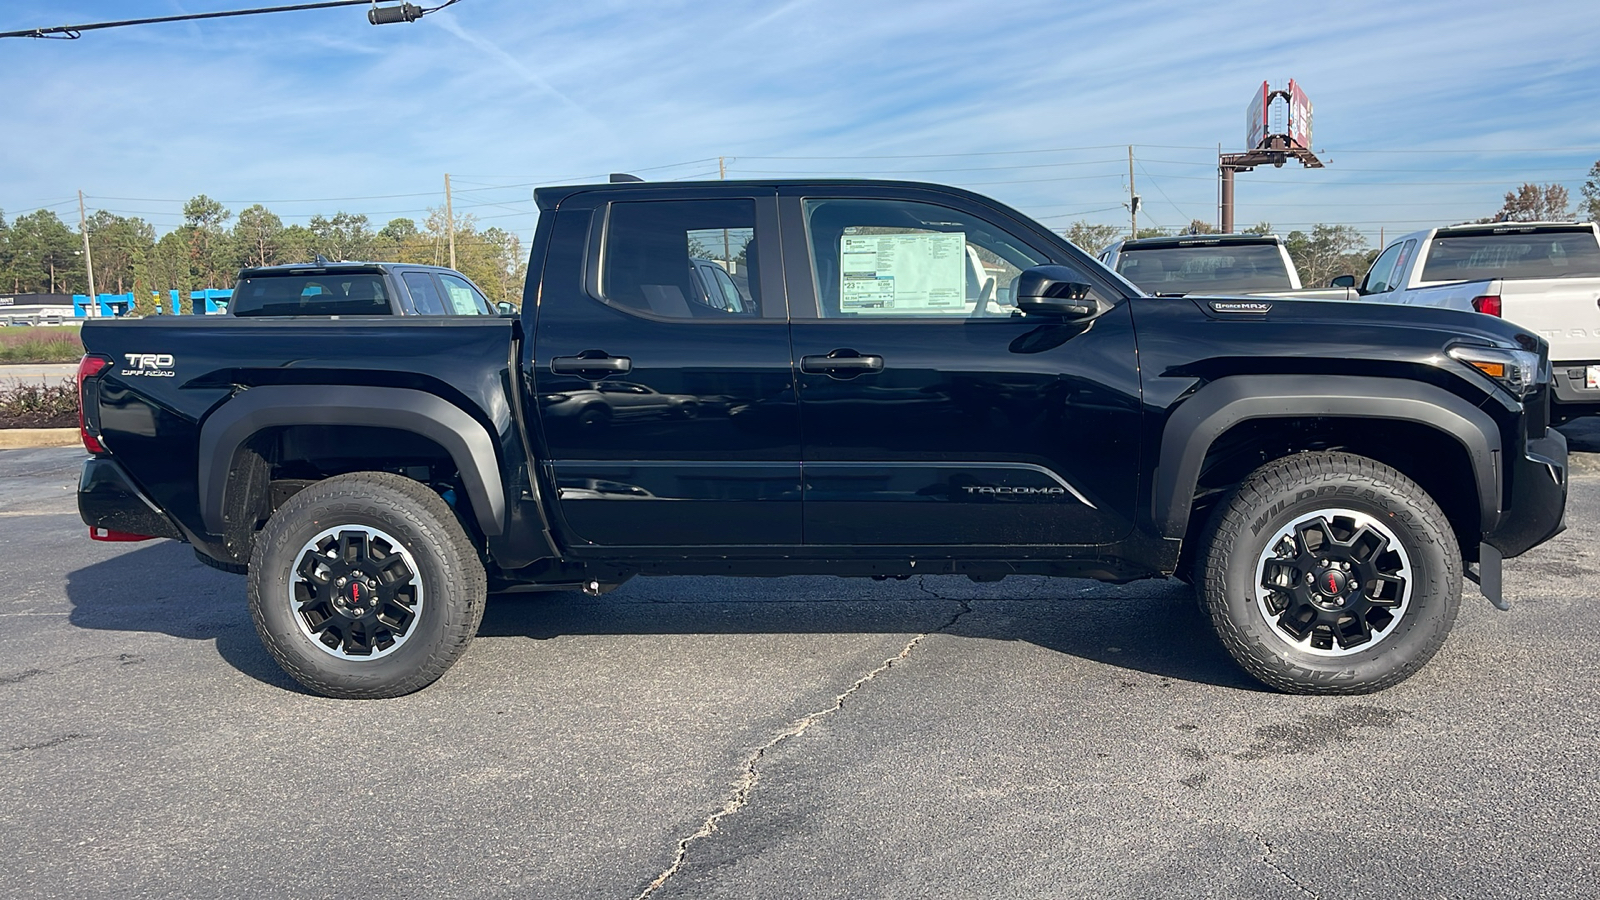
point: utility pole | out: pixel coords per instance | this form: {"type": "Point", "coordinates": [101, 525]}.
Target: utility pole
{"type": "Point", "coordinates": [1133, 200]}
{"type": "Point", "coordinates": [727, 252]}
{"type": "Point", "coordinates": [88, 261]}
{"type": "Point", "coordinates": [450, 220]}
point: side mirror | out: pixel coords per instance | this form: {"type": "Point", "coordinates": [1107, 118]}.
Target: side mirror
{"type": "Point", "coordinates": [506, 308]}
{"type": "Point", "coordinates": [1344, 281]}
{"type": "Point", "coordinates": [1055, 291]}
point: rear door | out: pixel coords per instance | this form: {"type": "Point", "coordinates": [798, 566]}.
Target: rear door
{"type": "Point", "coordinates": [666, 420]}
{"type": "Point", "coordinates": [933, 413]}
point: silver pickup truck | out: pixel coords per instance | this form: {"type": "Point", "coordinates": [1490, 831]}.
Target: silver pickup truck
{"type": "Point", "coordinates": [1229, 265]}
{"type": "Point", "coordinates": [1544, 276]}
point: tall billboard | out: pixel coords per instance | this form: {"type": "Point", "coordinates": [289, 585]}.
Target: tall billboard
{"type": "Point", "coordinates": [1278, 114]}
{"type": "Point", "coordinates": [1299, 117]}
{"type": "Point", "coordinates": [1255, 118]}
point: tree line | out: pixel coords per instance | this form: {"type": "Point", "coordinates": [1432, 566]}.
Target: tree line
{"type": "Point", "coordinates": [40, 254]}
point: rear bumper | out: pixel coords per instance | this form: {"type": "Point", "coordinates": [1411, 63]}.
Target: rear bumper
{"type": "Point", "coordinates": [1535, 499]}
{"type": "Point", "coordinates": [1570, 383]}
{"type": "Point", "coordinates": [109, 500]}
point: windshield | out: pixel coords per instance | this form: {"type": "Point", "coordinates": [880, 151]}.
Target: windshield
{"type": "Point", "coordinates": [315, 294]}
{"type": "Point", "coordinates": [1213, 269]}
{"type": "Point", "coordinates": [1480, 257]}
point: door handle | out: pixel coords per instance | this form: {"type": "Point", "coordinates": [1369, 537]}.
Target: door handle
{"type": "Point", "coordinates": [591, 361]}
{"type": "Point", "coordinates": [841, 362]}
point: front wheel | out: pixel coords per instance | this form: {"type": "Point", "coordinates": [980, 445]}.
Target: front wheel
{"type": "Point", "coordinates": [1329, 573]}
{"type": "Point", "coordinates": [365, 586]}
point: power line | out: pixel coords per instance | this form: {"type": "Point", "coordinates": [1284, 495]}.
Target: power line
{"type": "Point", "coordinates": [404, 12]}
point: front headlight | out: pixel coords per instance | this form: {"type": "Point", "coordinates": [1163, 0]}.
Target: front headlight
{"type": "Point", "coordinates": [1518, 371]}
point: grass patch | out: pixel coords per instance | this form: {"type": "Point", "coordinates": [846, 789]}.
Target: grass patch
{"type": "Point", "coordinates": [39, 406]}
{"type": "Point", "coordinates": [40, 344]}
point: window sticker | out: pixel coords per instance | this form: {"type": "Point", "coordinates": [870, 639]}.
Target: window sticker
{"type": "Point", "coordinates": [904, 274]}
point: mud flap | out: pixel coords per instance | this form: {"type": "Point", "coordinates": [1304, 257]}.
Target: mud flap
{"type": "Point", "coordinates": [1487, 576]}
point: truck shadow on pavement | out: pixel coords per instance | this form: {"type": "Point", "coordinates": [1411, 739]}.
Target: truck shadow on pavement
{"type": "Point", "coordinates": [1152, 627]}
{"type": "Point", "coordinates": [160, 587]}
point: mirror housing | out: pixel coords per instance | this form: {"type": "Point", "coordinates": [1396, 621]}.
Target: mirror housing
{"type": "Point", "coordinates": [506, 308]}
{"type": "Point", "coordinates": [1344, 281]}
{"type": "Point", "coordinates": [1055, 291]}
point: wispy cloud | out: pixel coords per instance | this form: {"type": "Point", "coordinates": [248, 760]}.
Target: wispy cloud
{"type": "Point", "coordinates": [324, 105]}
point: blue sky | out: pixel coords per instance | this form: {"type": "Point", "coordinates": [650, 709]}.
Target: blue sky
{"type": "Point", "coordinates": [1427, 112]}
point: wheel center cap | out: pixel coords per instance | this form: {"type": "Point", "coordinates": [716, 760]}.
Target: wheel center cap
{"type": "Point", "coordinates": [357, 596]}
{"type": "Point", "coordinates": [1332, 582]}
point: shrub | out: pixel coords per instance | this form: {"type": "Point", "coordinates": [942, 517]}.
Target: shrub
{"type": "Point", "coordinates": [38, 406]}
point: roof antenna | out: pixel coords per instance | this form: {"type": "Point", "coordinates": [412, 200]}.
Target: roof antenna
{"type": "Point", "coordinates": [625, 178]}
{"type": "Point", "coordinates": [321, 260]}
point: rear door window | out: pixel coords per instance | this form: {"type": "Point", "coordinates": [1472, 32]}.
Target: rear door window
{"type": "Point", "coordinates": [659, 255]}
{"type": "Point", "coordinates": [463, 299]}
{"type": "Point", "coordinates": [425, 298]}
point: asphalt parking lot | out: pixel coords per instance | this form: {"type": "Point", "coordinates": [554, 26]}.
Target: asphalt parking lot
{"type": "Point", "coordinates": [797, 737]}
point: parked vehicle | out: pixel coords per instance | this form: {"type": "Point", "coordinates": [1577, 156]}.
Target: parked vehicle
{"type": "Point", "coordinates": [355, 289]}
{"type": "Point", "coordinates": [1214, 265]}
{"type": "Point", "coordinates": [1322, 472]}
{"type": "Point", "coordinates": [1544, 276]}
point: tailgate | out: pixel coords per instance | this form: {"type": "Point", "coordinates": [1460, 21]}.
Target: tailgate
{"type": "Point", "coordinates": [1563, 311]}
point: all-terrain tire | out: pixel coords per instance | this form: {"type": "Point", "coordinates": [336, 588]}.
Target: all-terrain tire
{"type": "Point", "coordinates": [416, 608]}
{"type": "Point", "coordinates": [1288, 611]}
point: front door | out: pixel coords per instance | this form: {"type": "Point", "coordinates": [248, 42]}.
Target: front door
{"type": "Point", "coordinates": [668, 413]}
{"type": "Point", "coordinates": [933, 413]}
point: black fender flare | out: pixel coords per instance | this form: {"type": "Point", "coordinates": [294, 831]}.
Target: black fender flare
{"type": "Point", "coordinates": [1226, 402]}
{"type": "Point", "coordinates": [468, 443]}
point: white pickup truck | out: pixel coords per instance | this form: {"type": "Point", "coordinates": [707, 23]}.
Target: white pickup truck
{"type": "Point", "coordinates": [1544, 276]}
{"type": "Point", "coordinates": [1232, 265]}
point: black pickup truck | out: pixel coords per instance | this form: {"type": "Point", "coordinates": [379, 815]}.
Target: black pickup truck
{"type": "Point", "coordinates": [894, 379]}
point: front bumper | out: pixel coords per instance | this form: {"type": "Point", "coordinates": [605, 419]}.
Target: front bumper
{"type": "Point", "coordinates": [1535, 498]}
{"type": "Point", "coordinates": [108, 499]}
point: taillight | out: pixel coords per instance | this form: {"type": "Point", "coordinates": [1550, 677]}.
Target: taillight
{"type": "Point", "coordinates": [88, 368]}
{"type": "Point", "coordinates": [1488, 304]}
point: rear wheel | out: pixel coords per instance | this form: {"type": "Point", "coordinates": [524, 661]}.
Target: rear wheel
{"type": "Point", "coordinates": [366, 586]}
{"type": "Point", "coordinates": [1328, 573]}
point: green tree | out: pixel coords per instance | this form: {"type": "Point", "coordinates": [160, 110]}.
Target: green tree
{"type": "Point", "coordinates": [1091, 238]}
{"type": "Point", "coordinates": [400, 241]}
{"type": "Point", "coordinates": [345, 236]}
{"type": "Point", "coordinates": [1259, 228]}
{"type": "Point", "coordinates": [167, 268]}
{"type": "Point", "coordinates": [1533, 203]}
{"type": "Point", "coordinates": [258, 234]}
{"type": "Point", "coordinates": [45, 255]}
{"type": "Point", "coordinates": [1328, 251]}
{"type": "Point", "coordinates": [210, 246]}
{"type": "Point", "coordinates": [295, 244]}
{"type": "Point", "coordinates": [5, 251]}
{"type": "Point", "coordinates": [1590, 209]}
{"type": "Point", "coordinates": [118, 244]}
{"type": "Point", "coordinates": [1198, 227]}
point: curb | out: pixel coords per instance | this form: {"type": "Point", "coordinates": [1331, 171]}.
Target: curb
{"type": "Point", "coordinates": [33, 438]}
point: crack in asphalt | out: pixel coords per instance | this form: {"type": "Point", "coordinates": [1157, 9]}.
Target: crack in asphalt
{"type": "Point", "coordinates": [19, 677]}
{"type": "Point", "coordinates": [749, 773]}
{"type": "Point", "coordinates": [1266, 860]}
{"type": "Point", "coordinates": [46, 745]}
